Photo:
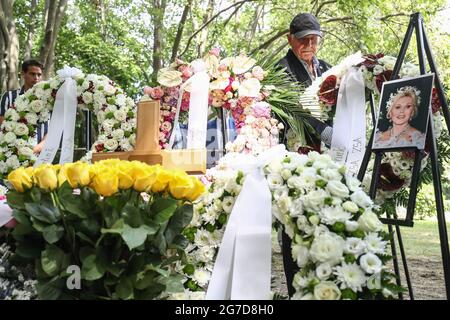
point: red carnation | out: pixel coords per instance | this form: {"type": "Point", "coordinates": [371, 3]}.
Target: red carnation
{"type": "Point", "coordinates": [99, 147]}
{"type": "Point", "coordinates": [435, 101]}
{"type": "Point", "coordinates": [308, 149]}
{"type": "Point", "coordinates": [389, 181]}
{"type": "Point", "coordinates": [382, 77]}
{"type": "Point", "coordinates": [328, 92]}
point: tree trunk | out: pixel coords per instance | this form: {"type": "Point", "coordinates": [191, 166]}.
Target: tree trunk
{"type": "Point", "coordinates": [158, 10]}
{"type": "Point", "coordinates": [31, 28]}
{"type": "Point", "coordinates": [250, 33]}
{"type": "Point", "coordinates": [204, 33]}
{"type": "Point", "coordinates": [176, 43]}
{"type": "Point", "coordinates": [10, 47]}
{"type": "Point", "coordinates": [56, 11]}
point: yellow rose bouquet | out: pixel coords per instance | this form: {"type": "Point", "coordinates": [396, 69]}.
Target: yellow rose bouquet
{"type": "Point", "coordinates": [111, 230]}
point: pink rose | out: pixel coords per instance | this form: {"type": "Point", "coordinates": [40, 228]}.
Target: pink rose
{"type": "Point", "coordinates": [261, 110]}
{"type": "Point", "coordinates": [155, 93]}
{"type": "Point", "coordinates": [186, 71]}
{"type": "Point", "coordinates": [258, 73]}
{"type": "Point", "coordinates": [215, 52]}
{"type": "Point", "coordinates": [222, 68]}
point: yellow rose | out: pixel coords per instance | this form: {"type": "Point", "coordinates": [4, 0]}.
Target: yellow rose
{"type": "Point", "coordinates": [78, 174]}
{"type": "Point", "coordinates": [144, 177]}
{"type": "Point", "coordinates": [180, 186]}
{"type": "Point", "coordinates": [197, 191]}
{"type": "Point", "coordinates": [45, 176]}
{"type": "Point", "coordinates": [125, 175]}
{"type": "Point", "coordinates": [105, 183]}
{"type": "Point", "coordinates": [21, 178]}
{"type": "Point", "coordinates": [162, 180]}
{"type": "Point", "coordinates": [62, 175]}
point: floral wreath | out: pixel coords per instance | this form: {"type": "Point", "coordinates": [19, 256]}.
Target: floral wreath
{"type": "Point", "coordinates": [403, 91]}
{"type": "Point", "coordinates": [396, 167]}
{"type": "Point", "coordinates": [337, 239]}
{"type": "Point", "coordinates": [115, 114]}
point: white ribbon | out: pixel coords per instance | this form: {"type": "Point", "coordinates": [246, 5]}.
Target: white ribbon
{"type": "Point", "coordinates": [62, 121]}
{"type": "Point", "coordinates": [349, 124]}
{"type": "Point", "coordinates": [5, 213]}
{"type": "Point", "coordinates": [242, 270]}
{"type": "Point", "coordinates": [198, 107]}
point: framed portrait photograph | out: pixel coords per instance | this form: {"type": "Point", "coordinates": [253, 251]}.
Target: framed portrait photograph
{"type": "Point", "coordinates": [403, 113]}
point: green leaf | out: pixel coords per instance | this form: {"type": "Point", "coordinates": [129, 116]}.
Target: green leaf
{"type": "Point", "coordinates": [29, 250]}
{"type": "Point", "coordinates": [71, 202]}
{"type": "Point", "coordinates": [15, 199]}
{"type": "Point", "coordinates": [134, 237]}
{"type": "Point", "coordinates": [132, 215]}
{"type": "Point", "coordinates": [173, 283]}
{"type": "Point", "coordinates": [53, 233]}
{"type": "Point", "coordinates": [84, 237]}
{"type": "Point", "coordinates": [163, 209]}
{"type": "Point", "coordinates": [144, 280]}
{"type": "Point", "coordinates": [50, 290]}
{"type": "Point", "coordinates": [52, 260]}
{"type": "Point", "coordinates": [124, 289]}
{"type": "Point", "coordinates": [178, 222]}
{"type": "Point", "coordinates": [91, 268]}
{"type": "Point", "coordinates": [44, 213]}
{"type": "Point", "coordinates": [117, 227]}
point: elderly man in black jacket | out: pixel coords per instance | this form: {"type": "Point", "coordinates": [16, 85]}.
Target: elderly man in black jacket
{"type": "Point", "coordinates": [303, 67]}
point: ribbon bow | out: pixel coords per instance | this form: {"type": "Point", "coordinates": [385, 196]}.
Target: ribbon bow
{"type": "Point", "coordinates": [62, 122]}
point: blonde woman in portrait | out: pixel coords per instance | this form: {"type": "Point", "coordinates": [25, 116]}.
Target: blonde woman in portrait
{"type": "Point", "coordinates": [401, 108]}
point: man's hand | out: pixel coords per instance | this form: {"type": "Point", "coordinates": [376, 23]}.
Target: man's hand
{"type": "Point", "coordinates": [38, 148]}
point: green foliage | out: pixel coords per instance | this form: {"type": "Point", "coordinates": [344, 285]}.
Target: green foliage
{"type": "Point", "coordinates": [120, 243]}
{"type": "Point", "coordinates": [425, 202]}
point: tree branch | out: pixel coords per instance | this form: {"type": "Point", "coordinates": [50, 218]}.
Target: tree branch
{"type": "Point", "coordinates": [338, 19]}
{"type": "Point", "coordinates": [268, 42]}
{"type": "Point", "coordinates": [177, 41]}
{"type": "Point", "coordinates": [209, 21]}
{"type": "Point", "coordinates": [393, 15]}
{"type": "Point", "coordinates": [323, 4]}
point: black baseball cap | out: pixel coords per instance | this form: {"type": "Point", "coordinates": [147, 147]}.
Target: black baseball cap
{"type": "Point", "coordinates": [305, 24]}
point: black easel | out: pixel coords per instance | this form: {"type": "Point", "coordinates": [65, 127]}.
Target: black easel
{"type": "Point", "coordinates": [423, 47]}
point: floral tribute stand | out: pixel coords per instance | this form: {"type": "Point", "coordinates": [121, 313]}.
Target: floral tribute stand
{"type": "Point", "coordinates": [147, 147]}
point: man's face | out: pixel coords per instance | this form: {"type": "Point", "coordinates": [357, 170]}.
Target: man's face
{"type": "Point", "coordinates": [32, 76]}
{"type": "Point", "coordinates": [304, 48]}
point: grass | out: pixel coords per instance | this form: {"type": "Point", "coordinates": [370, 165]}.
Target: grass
{"type": "Point", "coordinates": [422, 240]}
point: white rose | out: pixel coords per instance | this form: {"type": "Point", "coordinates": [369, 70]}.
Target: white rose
{"type": "Point", "coordinates": [284, 203]}
{"type": "Point", "coordinates": [327, 247]}
{"type": "Point", "coordinates": [370, 263]}
{"type": "Point", "coordinates": [109, 90]}
{"type": "Point", "coordinates": [275, 181]}
{"type": "Point", "coordinates": [355, 246]}
{"type": "Point", "coordinates": [9, 137]}
{"type": "Point", "coordinates": [117, 134]}
{"type": "Point", "coordinates": [286, 174]}
{"type": "Point", "coordinates": [361, 199]}
{"type": "Point", "coordinates": [228, 203]}
{"type": "Point", "coordinates": [21, 129]}
{"type": "Point", "coordinates": [280, 192]}
{"type": "Point", "coordinates": [331, 174]}
{"type": "Point", "coordinates": [350, 206]}
{"type": "Point", "coordinates": [250, 88]}
{"type": "Point", "coordinates": [36, 105]}
{"type": "Point", "coordinates": [323, 271]}
{"type": "Point", "coordinates": [351, 226]}
{"type": "Point", "coordinates": [25, 151]}
{"type": "Point", "coordinates": [374, 282]}
{"type": "Point", "coordinates": [352, 183]}
{"type": "Point", "coordinates": [12, 115]}
{"type": "Point", "coordinates": [369, 222]}
{"type": "Point", "coordinates": [327, 290]}
{"type": "Point", "coordinates": [337, 188]}
{"type": "Point", "coordinates": [120, 115]}
{"type": "Point", "coordinates": [111, 144]}
{"type": "Point", "coordinates": [88, 97]}
{"type": "Point", "coordinates": [125, 145]}
{"type": "Point", "coordinates": [54, 83]}
{"type": "Point", "coordinates": [121, 100]}
{"type": "Point", "coordinates": [300, 254]}
{"type": "Point", "coordinates": [169, 78]}
{"type": "Point", "coordinates": [32, 118]}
